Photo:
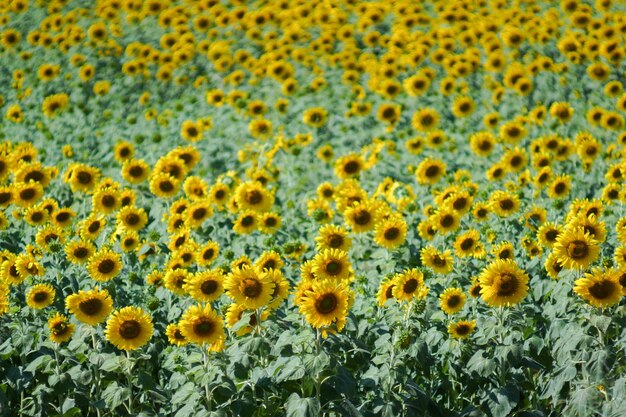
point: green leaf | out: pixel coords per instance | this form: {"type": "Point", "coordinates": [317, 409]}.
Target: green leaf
{"type": "Point", "coordinates": [501, 402]}
{"type": "Point", "coordinates": [114, 395]}
{"type": "Point", "coordinates": [38, 363]}
{"type": "Point", "coordinates": [481, 365]}
{"type": "Point", "coordinates": [111, 364]}
{"type": "Point", "coordinates": [183, 393]}
{"type": "Point", "coordinates": [301, 407]}
{"type": "Point", "coordinates": [291, 369]}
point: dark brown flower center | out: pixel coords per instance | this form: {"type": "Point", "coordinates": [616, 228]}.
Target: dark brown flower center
{"type": "Point", "coordinates": [136, 171]}
{"type": "Point", "coordinates": [94, 227]}
{"type": "Point", "coordinates": [577, 249]}
{"type": "Point", "coordinates": [362, 217]}
{"type": "Point", "coordinates": [506, 284]}
{"type": "Point", "coordinates": [334, 267]}
{"type": "Point", "coordinates": [392, 233]}
{"type": "Point", "coordinates": [252, 288]}
{"type": "Point", "coordinates": [467, 244]}
{"type": "Point", "coordinates": [351, 167]}
{"type": "Point", "coordinates": [40, 296]}
{"type": "Point", "coordinates": [453, 301]}
{"type": "Point", "coordinates": [106, 266]}
{"type": "Point", "coordinates": [462, 329]}
{"type": "Point", "coordinates": [27, 194]}
{"type": "Point", "coordinates": [432, 171]}
{"type": "Point", "coordinates": [130, 329]}
{"type": "Point", "coordinates": [208, 287]}
{"type": "Point", "coordinates": [91, 307]}
{"type": "Point", "coordinates": [410, 286]}
{"type": "Point", "coordinates": [326, 304]}
{"type": "Point", "coordinates": [84, 177]}
{"type": "Point", "coordinates": [199, 213]}
{"type": "Point", "coordinates": [204, 326]}
{"type": "Point", "coordinates": [602, 289]}
{"type": "Point", "coordinates": [254, 197]}
{"type": "Point", "coordinates": [108, 201]}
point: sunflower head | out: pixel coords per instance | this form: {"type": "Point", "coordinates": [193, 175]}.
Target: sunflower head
{"type": "Point", "coordinates": [129, 328]}
{"type": "Point", "coordinates": [503, 283]}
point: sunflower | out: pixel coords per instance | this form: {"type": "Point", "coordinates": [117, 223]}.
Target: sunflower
{"type": "Point", "coordinates": [219, 194]}
{"type": "Point", "coordinates": [315, 117]}
{"type": "Point", "coordinates": [552, 266]}
{"type": "Point", "coordinates": [236, 313]}
{"type": "Point", "coordinates": [576, 249]}
{"type": "Point", "coordinates": [106, 201]}
{"type": "Point", "coordinates": [561, 111]}
{"type": "Point", "coordinates": [248, 288]}
{"type": "Point", "coordinates": [446, 220]}
{"type": "Point", "coordinates": [591, 225]}
{"type": "Point", "coordinates": [408, 285]}
{"type": "Point", "coordinates": [503, 283]}
{"type": "Point", "coordinates": [27, 194]}
{"type": "Point", "coordinates": [504, 203]}
{"type": "Point", "coordinates": [512, 132]}
{"type": "Point", "coordinates": [332, 264]}
{"type": "Point", "coordinates": [163, 185]}
{"type": "Point", "coordinates": [91, 307]}
{"type": "Point", "coordinates": [560, 187]}
{"type": "Point", "coordinates": [439, 262]}
{"type": "Point", "coordinates": [600, 288]}
{"type": "Point", "coordinates": [104, 265]}
{"type": "Point", "coordinates": [390, 232]}
{"type": "Point", "coordinates": [35, 216]}
{"type": "Point", "coordinates": [82, 177]}
{"type": "Point", "coordinates": [27, 266]}
{"type": "Point", "coordinates": [8, 271]}
{"type": "Point", "coordinates": [281, 287]}
{"type": "Point", "coordinates": [268, 260]}
{"type": "Point", "coordinates": [135, 171]}
{"type": "Point", "coordinates": [253, 196]}
{"type": "Point", "coordinates": [174, 335]}
{"type": "Point", "coordinates": [362, 216]}
{"type": "Point", "coordinates": [40, 296]}
{"type": "Point", "coordinates": [461, 329]}
{"type": "Point", "coordinates": [385, 291]}
{"type": "Point", "coordinates": [504, 250]}
{"type": "Point", "coordinates": [463, 106]}
{"type": "Point", "coordinates": [205, 286]}
{"type": "Point", "coordinates": [349, 166]}
{"type": "Point", "coordinates": [175, 280]}
{"type": "Point", "coordinates": [326, 304]}
{"type": "Point", "coordinates": [247, 222]}
{"type": "Point", "coordinates": [197, 213]}
{"type": "Point", "coordinates": [389, 113]}
{"type": "Point", "coordinates": [132, 218]}
{"type": "Point", "coordinates": [91, 227]}
{"type": "Point", "coordinates": [429, 171]}
{"type": "Point", "coordinates": [466, 243]}
{"type": "Point", "coordinates": [548, 233]}
{"type": "Point", "coordinates": [207, 253]}
{"type": "Point", "coordinates": [129, 328]}
{"type": "Point", "coordinates": [61, 330]}
{"type": "Point", "coordinates": [452, 300]}
{"type": "Point", "coordinates": [425, 120]}
{"type": "Point", "coordinates": [201, 325]}
{"type": "Point", "coordinates": [79, 251]}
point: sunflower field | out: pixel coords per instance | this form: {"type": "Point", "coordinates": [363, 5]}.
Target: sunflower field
{"type": "Point", "coordinates": [313, 208]}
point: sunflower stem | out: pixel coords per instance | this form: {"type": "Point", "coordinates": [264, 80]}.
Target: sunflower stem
{"type": "Point", "coordinates": [318, 381]}
{"type": "Point", "coordinates": [206, 364]}
{"type": "Point", "coordinates": [407, 315]}
{"type": "Point", "coordinates": [96, 374]}
{"type": "Point", "coordinates": [129, 374]}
